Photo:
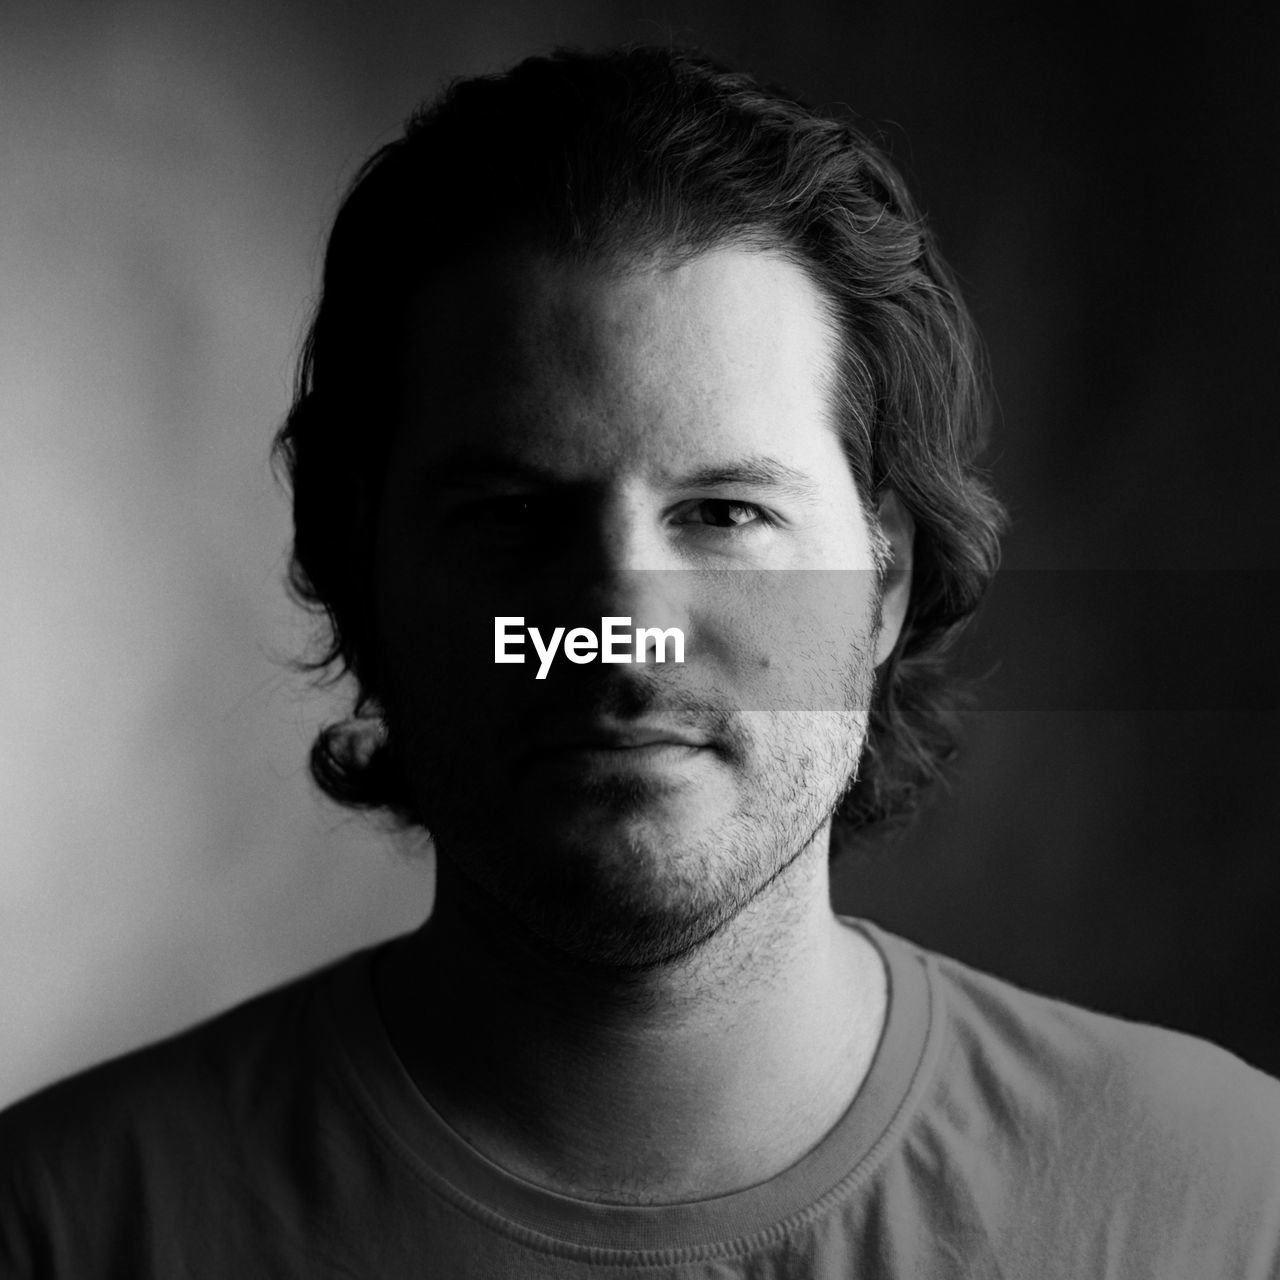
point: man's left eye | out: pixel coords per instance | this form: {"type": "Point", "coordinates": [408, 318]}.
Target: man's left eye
{"type": "Point", "coordinates": [725, 513]}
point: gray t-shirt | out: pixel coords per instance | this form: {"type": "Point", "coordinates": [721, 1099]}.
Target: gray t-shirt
{"type": "Point", "coordinates": [998, 1134]}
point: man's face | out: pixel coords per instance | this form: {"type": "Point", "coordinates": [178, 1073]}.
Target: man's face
{"type": "Point", "coordinates": [658, 444]}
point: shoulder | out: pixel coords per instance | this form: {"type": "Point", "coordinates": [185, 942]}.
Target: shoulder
{"type": "Point", "coordinates": [1156, 1084]}
{"type": "Point", "coordinates": [162, 1097]}
{"type": "Point", "coordinates": [179, 1149]}
{"type": "Point", "coordinates": [1102, 1131]}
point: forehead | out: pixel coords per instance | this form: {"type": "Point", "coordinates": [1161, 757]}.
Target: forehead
{"type": "Point", "coordinates": [588, 370]}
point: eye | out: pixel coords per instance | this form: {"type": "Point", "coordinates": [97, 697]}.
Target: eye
{"type": "Point", "coordinates": [501, 511]}
{"type": "Point", "coordinates": [725, 513]}
{"type": "Point", "coordinates": [515, 508]}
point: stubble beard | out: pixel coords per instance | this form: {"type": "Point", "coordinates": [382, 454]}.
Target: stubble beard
{"type": "Point", "coordinates": [645, 897]}
{"type": "Point", "coordinates": [667, 902]}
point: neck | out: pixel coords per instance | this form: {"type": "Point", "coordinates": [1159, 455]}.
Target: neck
{"type": "Point", "coordinates": [685, 1081]}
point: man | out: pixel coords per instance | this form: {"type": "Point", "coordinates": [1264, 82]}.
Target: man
{"type": "Point", "coordinates": [629, 338]}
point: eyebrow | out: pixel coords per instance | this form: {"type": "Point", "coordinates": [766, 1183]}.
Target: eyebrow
{"type": "Point", "coordinates": [758, 471]}
{"type": "Point", "coordinates": [467, 465]}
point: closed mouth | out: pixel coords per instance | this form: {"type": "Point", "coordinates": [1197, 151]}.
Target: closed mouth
{"type": "Point", "coordinates": [632, 739]}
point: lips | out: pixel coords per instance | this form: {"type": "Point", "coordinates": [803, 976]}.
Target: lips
{"type": "Point", "coordinates": [625, 737]}
{"type": "Point", "coordinates": [621, 737]}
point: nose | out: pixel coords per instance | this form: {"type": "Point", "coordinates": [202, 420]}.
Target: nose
{"type": "Point", "coordinates": [635, 570]}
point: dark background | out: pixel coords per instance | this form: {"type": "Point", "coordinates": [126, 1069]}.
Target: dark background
{"type": "Point", "coordinates": [1106, 189]}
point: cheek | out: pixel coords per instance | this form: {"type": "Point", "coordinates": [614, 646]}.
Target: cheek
{"type": "Point", "coordinates": [423, 628]}
{"type": "Point", "coordinates": [788, 640]}
{"type": "Point", "coordinates": [436, 649]}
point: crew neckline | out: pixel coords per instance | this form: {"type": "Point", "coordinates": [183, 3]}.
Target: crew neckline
{"type": "Point", "coordinates": [736, 1222]}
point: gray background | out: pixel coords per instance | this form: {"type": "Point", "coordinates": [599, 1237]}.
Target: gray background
{"type": "Point", "coordinates": [167, 172]}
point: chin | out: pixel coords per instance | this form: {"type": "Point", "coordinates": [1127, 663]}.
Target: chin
{"type": "Point", "coordinates": [620, 928]}
{"type": "Point", "coordinates": [630, 892]}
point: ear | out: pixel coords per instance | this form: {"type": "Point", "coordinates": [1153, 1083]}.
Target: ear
{"type": "Point", "coordinates": [898, 530]}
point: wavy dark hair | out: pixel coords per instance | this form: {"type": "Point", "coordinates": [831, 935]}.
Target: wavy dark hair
{"type": "Point", "coordinates": [618, 157]}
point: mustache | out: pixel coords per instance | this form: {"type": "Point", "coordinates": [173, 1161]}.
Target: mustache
{"type": "Point", "coordinates": [639, 696]}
